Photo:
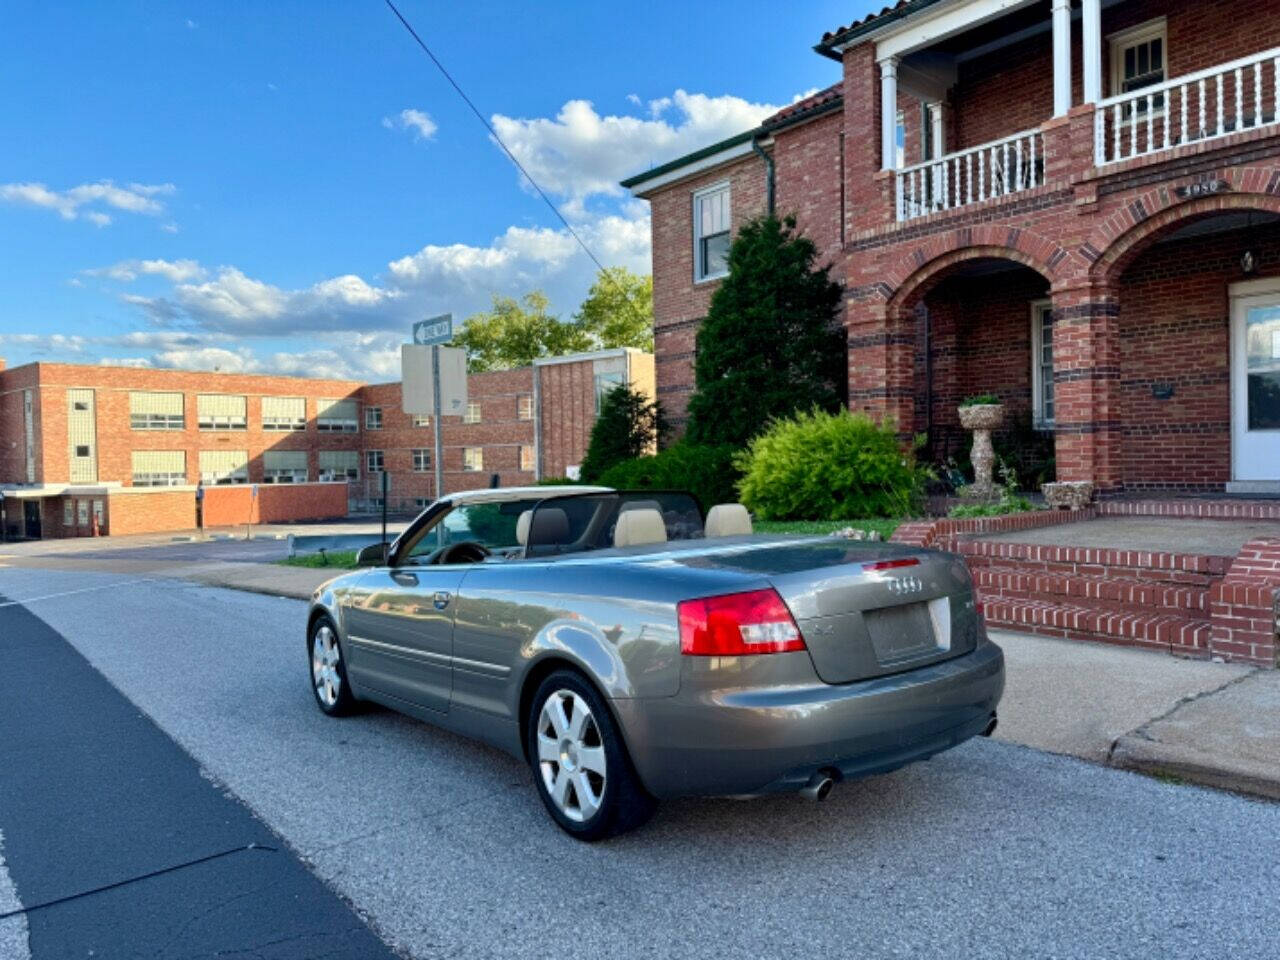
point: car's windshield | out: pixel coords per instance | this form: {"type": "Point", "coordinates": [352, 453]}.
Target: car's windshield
{"type": "Point", "coordinates": [491, 524]}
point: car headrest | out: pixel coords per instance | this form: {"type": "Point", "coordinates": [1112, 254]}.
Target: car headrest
{"type": "Point", "coordinates": [635, 527]}
{"type": "Point", "coordinates": [547, 526]}
{"type": "Point", "coordinates": [522, 527]}
{"type": "Point", "coordinates": [728, 520]}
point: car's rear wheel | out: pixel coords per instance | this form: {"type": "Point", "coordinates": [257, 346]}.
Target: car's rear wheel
{"type": "Point", "coordinates": [580, 764]}
{"type": "Point", "coordinates": [329, 670]}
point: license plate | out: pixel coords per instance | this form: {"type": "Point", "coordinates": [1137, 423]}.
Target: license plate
{"type": "Point", "coordinates": [901, 633]}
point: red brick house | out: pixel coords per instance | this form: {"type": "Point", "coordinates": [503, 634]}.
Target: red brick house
{"type": "Point", "coordinates": [1073, 205]}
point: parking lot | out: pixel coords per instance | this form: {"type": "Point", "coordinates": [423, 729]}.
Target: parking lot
{"type": "Point", "coordinates": [442, 848]}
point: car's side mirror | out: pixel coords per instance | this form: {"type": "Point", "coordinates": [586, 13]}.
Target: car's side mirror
{"type": "Point", "coordinates": [374, 555]}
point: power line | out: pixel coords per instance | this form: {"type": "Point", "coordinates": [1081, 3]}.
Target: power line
{"type": "Point", "coordinates": [494, 133]}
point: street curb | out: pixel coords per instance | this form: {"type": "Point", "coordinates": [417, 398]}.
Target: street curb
{"type": "Point", "coordinates": [1150, 756]}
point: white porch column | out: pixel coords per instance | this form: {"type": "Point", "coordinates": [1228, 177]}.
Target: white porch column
{"type": "Point", "coordinates": [889, 113]}
{"type": "Point", "coordinates": [1061, 57]}
{"type": "Point", "coordinates": [1091, 28]}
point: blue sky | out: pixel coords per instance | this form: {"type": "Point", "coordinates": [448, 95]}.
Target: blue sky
{"type": "Point", "coordinates": [285, 186]}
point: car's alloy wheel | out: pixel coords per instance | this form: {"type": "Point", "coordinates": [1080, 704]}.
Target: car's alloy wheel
{"type": "Point", "coordinates": [324, 666]}
{"type": "Point", "coordinates": [328, 671]}
{"type": "Point", "coordinates": [580, 762]}
{"type": "Point", "coordinates": [571, 755]}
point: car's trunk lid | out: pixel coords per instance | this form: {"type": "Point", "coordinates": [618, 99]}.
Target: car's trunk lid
{"type": "Point", "coordinates": [882, 614]}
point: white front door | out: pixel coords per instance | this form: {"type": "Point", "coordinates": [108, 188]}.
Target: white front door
{"type": "Point", "coordinates": [1255, 381]}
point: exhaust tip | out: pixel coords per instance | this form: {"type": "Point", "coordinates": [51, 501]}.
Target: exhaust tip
{"type": "Point", "coordinates": [819, 787]}
{"type": "Point", "coordinates": [991, 726]}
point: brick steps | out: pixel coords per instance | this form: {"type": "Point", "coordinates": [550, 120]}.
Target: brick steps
{"type": "Point", "coordinates": [1017, 583]}
{"type": "Point", "coordinates": [1176, 569]}
{"type": "Point", "coordinates": [1169, 632]}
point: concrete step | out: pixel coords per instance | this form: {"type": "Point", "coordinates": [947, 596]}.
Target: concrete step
{"type": "Point", "coordinates": [1125, 593]}
{"type": "Point", "coordinates": [1180, 569]}
{"type": "Point", "coordinates": [1169, 632]}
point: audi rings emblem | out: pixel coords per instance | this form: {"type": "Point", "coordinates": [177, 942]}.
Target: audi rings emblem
{"type": "Point", "coordinates": [904, 586]}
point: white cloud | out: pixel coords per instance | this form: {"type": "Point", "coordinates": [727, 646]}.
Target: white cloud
{"type": "Point", "coordinates": [423, 127]}
{"type": "Point", "coordinates": [579, 153]}
{"type": "Point", "coordinates": [175, 271]}
{"type": "Point", "coordinates": [77, 202]}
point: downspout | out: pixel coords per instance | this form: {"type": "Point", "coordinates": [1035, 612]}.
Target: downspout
{"type": "Point", "coordinates": [768, 174]}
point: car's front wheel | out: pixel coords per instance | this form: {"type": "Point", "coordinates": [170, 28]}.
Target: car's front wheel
{"type": "Point", "coordinates": [328, 670]}
{"type": "Point", "coordinates": [580, 764]}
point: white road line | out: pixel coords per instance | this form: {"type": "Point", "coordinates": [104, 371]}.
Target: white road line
{"type": "Point", "coordinates": [15, 939]}
{"type": "Point", "coordinates": [69, 593]}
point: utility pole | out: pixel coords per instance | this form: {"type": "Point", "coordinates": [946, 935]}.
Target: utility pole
{"type": "Point", "coordinates": [436, 424]}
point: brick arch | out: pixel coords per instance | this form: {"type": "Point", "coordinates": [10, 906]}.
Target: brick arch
{"type": "Point", "coordinates": [1116, 242]}
{"type": "Point", "coordinates": [922, 269]}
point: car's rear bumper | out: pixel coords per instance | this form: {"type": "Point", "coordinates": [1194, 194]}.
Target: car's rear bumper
{"type": "Point", "coordinates": [753, 738]}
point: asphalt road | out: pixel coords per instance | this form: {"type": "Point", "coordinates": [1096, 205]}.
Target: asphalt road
{"type": "Point", "coordinates": [990, 850]}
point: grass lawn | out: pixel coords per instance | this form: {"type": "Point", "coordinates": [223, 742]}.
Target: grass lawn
{"type": "Point", "coordinates": [337, 559]}
{"type": "Point", "coordinates": [885, 527]}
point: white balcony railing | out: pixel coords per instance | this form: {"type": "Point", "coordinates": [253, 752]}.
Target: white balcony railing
{"type": "Point", "coordinates": [980, 173]}
{"type": "Point", "coordinates": [1226, 99]}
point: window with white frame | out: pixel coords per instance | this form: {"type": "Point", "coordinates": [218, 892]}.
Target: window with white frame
{"type": "Point", "coordinates": [421, 460]}
{"type": "Point", "coordinates": [422, 502]}
{"type": "Point", "coordinates": [1042, 364]}
{"type": "Point", "coordinates": [524, 408]}
{"type": "Point", "coordinates": [284, 413]}
{"type": "Point", "coordinates": [155, 411]}
{"type": "Point", "coordinates": [373, 461]}
{"type": "Point", "coordinates": [711, 225]}
{"type": "Point", "coordinates": [473, 412]}
{"type": "Point", "coordinates": [284, 466]}
{"type": "Point", "coordinates": [605, 383]}
{"type": "Point", "coordinates": [1139, 58]}
{"type": "Point", "coordinates": [336, 416]}
{"type": "Point", "coordinates": [338, 465]}
{"type": "Point", "coordinates": [472, 459]}
{"type": "Point", "coordinates": [220, 411]}
{"type": "Point", "coordinates": [224, 466]}
{"type": "Point", "coordinates": [421, 420]}
{"type": "Point", "coordinates": [159, 468]}
{"type": "Point", "coordinates": [373, 418]}
{"type": "Point", "coordinates": [526, 458]}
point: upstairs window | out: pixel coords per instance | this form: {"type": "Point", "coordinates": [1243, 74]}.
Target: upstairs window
{"type": "Point", "coordinates": [373, 418]}
{"type": "Point", "coordinates": [159, 468]}
{"type": "Point", "coordinates": [421, 420]}
{"type": "Point", "coordinates": [473, 412]}
{"type": "Point", "coordinates": [155, 411]}
{"type": "Point", "coordinates": [224, 466]}
{"type": "Point", "coordinates": [284, 466]}
{"type": "Point", "coordinates": [336, 416]}
{"type": "Point", "coordinates": [339, 465]}
{"type": "Point", "coordinates": [711, 225]}
{"type": "Point", "coordinates": [284, 413]}
{"type": "Point", "coordinates": [1138, 60]}
{"type": "Point", "coordinates": [421, 460]}
{"type": "Point", "coordinates": [524, 409]}
{"type": "Point", "coordinates": [218, 411]}
{"type": "Point", "coordinates": [472, 459]}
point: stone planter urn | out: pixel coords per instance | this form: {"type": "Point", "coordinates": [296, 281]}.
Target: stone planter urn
{"type": "Point", "coordinates": [982, 418]}
{"type": "Point", "coordinates": [1068, 494]}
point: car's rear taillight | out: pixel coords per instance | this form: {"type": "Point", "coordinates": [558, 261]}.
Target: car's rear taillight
{"type": "Point", "coordinates": [737, 624]}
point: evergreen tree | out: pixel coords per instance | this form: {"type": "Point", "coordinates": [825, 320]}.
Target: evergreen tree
{"type": "Point", "coordinates": [770, 344]}
{"type": "Point", "coordinates": [628, 426]}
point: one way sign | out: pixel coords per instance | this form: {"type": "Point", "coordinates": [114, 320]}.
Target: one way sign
{"type": "Point", "coordinates": [434, 330]}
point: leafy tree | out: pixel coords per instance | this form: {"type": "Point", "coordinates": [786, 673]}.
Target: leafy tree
{"type": "Point", "coordinates": [628, 426]}
{"type": "Point", "coordinates": [517, 332]}
{"type": "Point", "coordinates": [618, 311]}
{"type": "Point", "coordinates": [770, 345]}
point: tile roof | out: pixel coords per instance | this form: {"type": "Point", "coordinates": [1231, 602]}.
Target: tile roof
{"type": "Point", "coordinates": [897, 11]}
{"type": "Point", "coordinates": [802, 108]}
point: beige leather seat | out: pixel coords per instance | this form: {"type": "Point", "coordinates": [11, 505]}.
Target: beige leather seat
{"type": "Point", "coordinates": [728, 520]}
{"type": "Point", "coordinates": [635, 527]}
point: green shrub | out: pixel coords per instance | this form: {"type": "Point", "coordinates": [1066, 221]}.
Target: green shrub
{"type": "Point", "coordinates": [555, 482]}
{"type": "Point", "coordinates": [708, 472]}
{"type": "Point", "coordinates": [829, 466]}
{"type": "Point", "coordinates": [627, 426]}
{"type": "Point", "coordinates": [980, 400]}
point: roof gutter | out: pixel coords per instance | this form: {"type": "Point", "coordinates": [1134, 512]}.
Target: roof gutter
{"type": "Point", "coordinates": [768, 174]}
{"type": "Point", "coordinates": [834, 47]}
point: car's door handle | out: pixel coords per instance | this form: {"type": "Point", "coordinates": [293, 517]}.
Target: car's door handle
{"type": "Point", "coordinates": [442, 599]}
{"type": "Point", "coordinates": [405, 579]}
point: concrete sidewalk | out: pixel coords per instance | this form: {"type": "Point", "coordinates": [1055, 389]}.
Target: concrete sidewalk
{"type": "Point", "coordinates": [1210, 723]}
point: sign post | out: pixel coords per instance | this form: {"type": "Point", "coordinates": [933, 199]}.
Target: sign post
{"type": "Point", "coordinates": [433, 332]}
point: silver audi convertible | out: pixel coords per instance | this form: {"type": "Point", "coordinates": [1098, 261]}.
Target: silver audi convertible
{"type": "Point", "coordinates": [630, 648]}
